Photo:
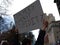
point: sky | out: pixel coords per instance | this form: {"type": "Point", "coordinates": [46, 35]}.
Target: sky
{"type": "Point", "coordinates": [48, 6]}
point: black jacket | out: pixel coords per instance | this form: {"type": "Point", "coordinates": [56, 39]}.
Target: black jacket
{"type": "Point", "coordinates": [40, 39]}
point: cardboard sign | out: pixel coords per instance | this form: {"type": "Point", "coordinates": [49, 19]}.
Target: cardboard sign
{"type": "Point", "coordinates": [29, 18]}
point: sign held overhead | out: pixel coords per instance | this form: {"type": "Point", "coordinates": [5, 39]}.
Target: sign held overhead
{"type": "Point", "coordinates": [29, 18]}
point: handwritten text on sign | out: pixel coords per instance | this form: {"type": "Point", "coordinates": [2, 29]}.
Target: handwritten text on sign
{"type": "Point", "coordinates": [29, 18]}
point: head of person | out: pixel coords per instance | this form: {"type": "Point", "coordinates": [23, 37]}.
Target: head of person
{"type": "Point", "coordinates": [4, 43]}
{"type": "Point", "coordinates": [26, 41]}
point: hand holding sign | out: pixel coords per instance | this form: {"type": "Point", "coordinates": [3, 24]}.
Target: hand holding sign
{"type": "Point", "coordinates": [45, 25]}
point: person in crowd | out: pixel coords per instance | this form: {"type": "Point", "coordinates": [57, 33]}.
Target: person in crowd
{"type": "Point", "coordinates": [40, 39]}
{"type": "Point", "coordinates": [4, 42]}
{"type": "Point", "coordinates": [14, 37]}
{"type": "Point", "coordinates": [26, 41]}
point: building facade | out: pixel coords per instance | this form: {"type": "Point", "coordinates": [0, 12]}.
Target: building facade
{"type": "Point", "coordinates": [54, 33]}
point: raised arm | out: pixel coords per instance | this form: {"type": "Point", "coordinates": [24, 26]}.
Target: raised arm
{"type": "Point", "coordinates": [40, 39]}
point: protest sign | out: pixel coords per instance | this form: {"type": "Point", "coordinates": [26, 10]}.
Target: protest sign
{"type": "Point", "coordinates": [29, 18]}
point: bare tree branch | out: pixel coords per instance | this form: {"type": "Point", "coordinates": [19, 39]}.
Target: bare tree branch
{"type": "Point", "coordinates": [4, 5]}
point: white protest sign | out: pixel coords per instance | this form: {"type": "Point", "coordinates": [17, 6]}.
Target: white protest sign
{"type": "Point", "coordinates": [29, 18]}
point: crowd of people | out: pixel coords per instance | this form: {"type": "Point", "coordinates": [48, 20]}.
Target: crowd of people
{"type": "Point", "coordinates": [15, 41]}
